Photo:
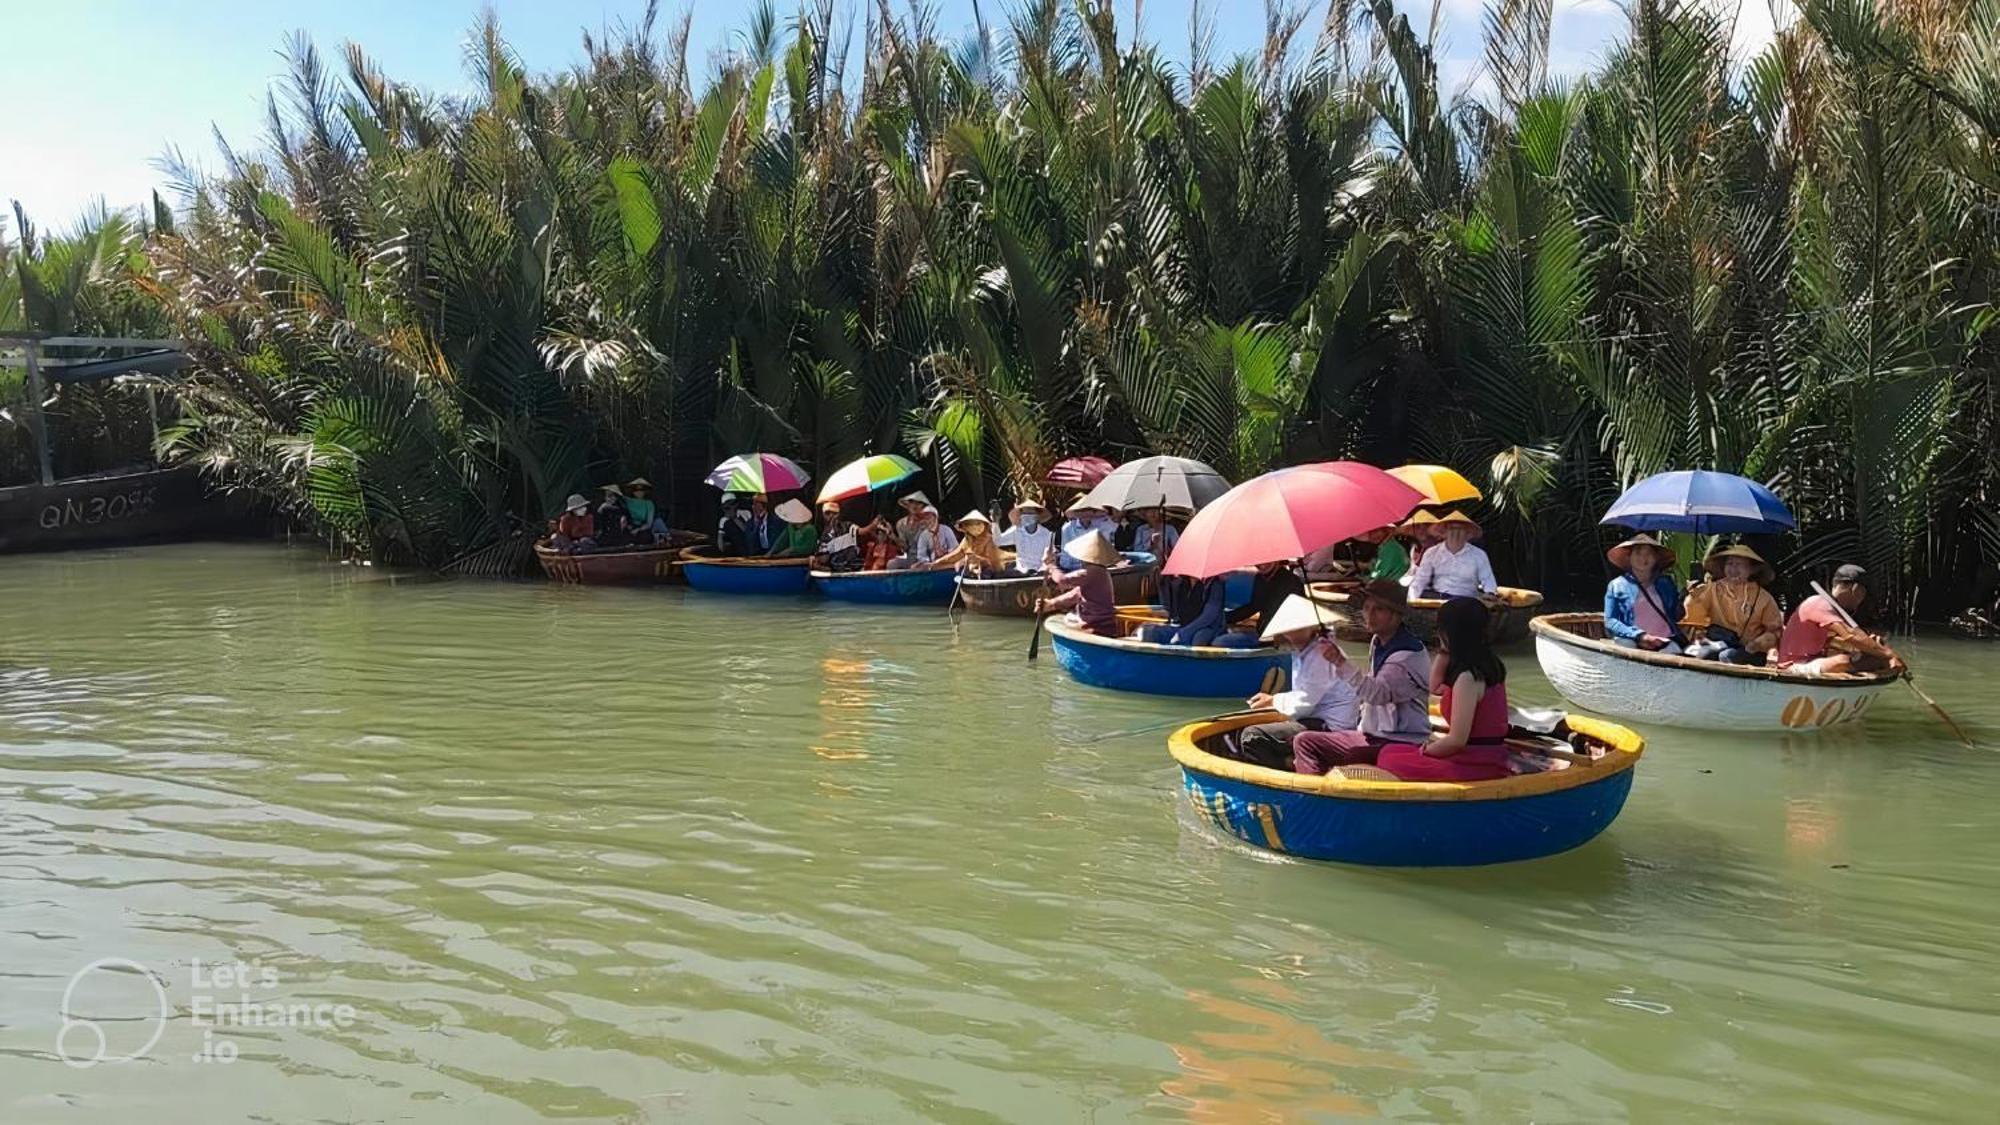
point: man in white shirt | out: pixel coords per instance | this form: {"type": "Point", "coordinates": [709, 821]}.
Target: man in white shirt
{"type": "Point", "coordinates": [1319, 699]}
{"type": "Point", "coordinates": [1029, 536]}
{"type": "Point", "coordinates": [1455, 568]}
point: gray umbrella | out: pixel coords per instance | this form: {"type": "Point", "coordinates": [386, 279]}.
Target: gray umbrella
{"type": "Point", "coordinates": [1158, 482]}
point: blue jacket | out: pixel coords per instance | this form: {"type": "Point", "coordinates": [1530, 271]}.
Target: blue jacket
{"type": "Point", "coordinates": [1621, 600]}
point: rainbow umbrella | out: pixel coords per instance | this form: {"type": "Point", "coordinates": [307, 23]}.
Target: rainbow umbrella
{"type": "Point", "coordinates": [1438, 484]}
{"type": "Point", "coordinates": [758, 472]}
{"type": "Point", "coordinates": [1289, 514]}
{"type": "Point", "coordinates": [874, 471]}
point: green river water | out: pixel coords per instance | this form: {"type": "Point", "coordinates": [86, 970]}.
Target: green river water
{"type": "Point", "coordinates": [650, 856]}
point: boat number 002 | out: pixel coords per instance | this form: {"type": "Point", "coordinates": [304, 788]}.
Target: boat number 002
{"type": "Point", "coordinates": [1253, 822]}
{"type": "Point", "coordinates": [1802, 712]}
{"type": "Point", "coordinates": [96, 509]}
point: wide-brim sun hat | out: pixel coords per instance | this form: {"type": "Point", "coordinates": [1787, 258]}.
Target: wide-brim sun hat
{"type": "Point", "coordinates": [613, 490]}
{"type": "Point", "coordinates": [973, 516]}
{"type": "Point", "coordinates": [1079, 507]}
{"type": "Point", "coordinates": [577, 502]}
{"type": "Point", "coordinates": [1764, 575]}
{"type": "Point", "coordinates": [1028, 504]}
{"type": "Point", "coordinates": [1457, 519]}
{"type": "Point", "coordinates": [1621, 555]}
{"type": "Point", "coordinates": [791, 511]}
{"type": "Point", "coordinates": [1390, 593]}
{"type": "Point", "coordinates": [917, 500]}
{"type": "Point", "coordinates": [1296, 614]}
{"type": "Point", "coordinates": [1094, 548]}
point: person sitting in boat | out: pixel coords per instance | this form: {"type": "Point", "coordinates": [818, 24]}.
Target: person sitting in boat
{"type": "Point", "coordinates": [1456, 567]}
{"type": "Point", "coordinates": [1081, 520]}
{"type": "Point", "coordinates": [1821, 639]}
{"type": "Point", "coordinates": [976, 554]}
{"type": "Point", "coordinates": [1642, 606]}
{"type": "Point", "coordinates": [1471, 685]}
{"type": "Point", "coordinates": [1276, 583]}
{"type": "Point", "coordinates": [729, 538]}
{"type": "Point", "coordinates": [762, 530]}
{"type": "Point", "coordinates": [574, 533]}
{"type": "Point", "coordinates": [1196, 612]}
{"type": "Point", "coordinates": [1087, 593]}
{"type": "Point", "coordinates": [912, 520]}
{"type": "Point", "coordinates": [1319, 699]}
{"type": "Point", "coordinates": [1155, 536]}
{"type": "Point", "coordinates": [1733, 616]}
{"type": "Point", "coordinates": [1392, 562]}
{"type": "Point", "coordinates": [1123, 528]}
{"type": "Point", "coordinates": [1029, 536]}
{"type": "Point", "coordinates": [798, 538]}
{"type": "Point", "coordinates": [614, 523]}
{"type": "Point", "coordinates": [839, 550]}
{"type": "Point", "coordinates": [647, 526]}
{"type": "Point", "coordinates": [1394, 688]}
{"type": "Point", "coordinates": [933, 541]}
{"type": "Point", "coordinates": [880, 549]}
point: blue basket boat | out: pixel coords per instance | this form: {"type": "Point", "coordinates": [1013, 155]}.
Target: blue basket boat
{"type": "Point", "coordinates": [1393, 823]}
{"type": "Point", "coordinates": [715, 574]}
{"type": "Point", "coordinates": [888, 587]}
{"type": "Point", "coordinates": [1126, 664]}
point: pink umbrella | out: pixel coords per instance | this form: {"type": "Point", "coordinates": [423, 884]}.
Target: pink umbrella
{"type": "Point", "coordinates": [1288, 514]}
{"type": "Point", "coordinates": [1079, 472]}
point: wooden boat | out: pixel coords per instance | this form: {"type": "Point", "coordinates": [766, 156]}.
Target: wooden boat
{"type": "Point", "coordinates": [1128, 664]}
{"type": "Point", "coordinates": [1596, 673]}
{"type": "Point", "coordinates": [709, 572]}
{"type": "Point", "coordinates": [1575, 796]}
{"type": "Point", "coordinates": [1131, 582]}
{"type": "Point", "coordinates": [629, 566]}
{"type": "Point", "coordinates": [888, 587]}
{"type": "Point", "coordinates": [1506, 624]}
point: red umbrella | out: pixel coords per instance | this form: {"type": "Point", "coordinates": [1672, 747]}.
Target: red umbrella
{"type": "Point", "coordinates": [1079, 472]}
{"type": "Point", "coordinates": [1289, 514]}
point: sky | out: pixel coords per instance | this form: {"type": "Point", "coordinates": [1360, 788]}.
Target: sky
{"type": "Point", "coordinates": [95, 91]}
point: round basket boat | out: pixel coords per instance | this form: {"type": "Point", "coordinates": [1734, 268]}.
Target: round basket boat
{"type": "Point", "coordinates": [715, 574]}
{"type": "Point", "coordinates": [1128, 664]}
{"type": "Point", "coordinates": [1507, 622]}
{"type": "Point", "coordinates": [1131, 583]}
{"type": "Point", "coordinates": [626, 567]}
{"type": "Point", "coordinates": [1598, 674]}
{"type": "Point", "coordinates": [888, 587]}
{"type": "Point", "coordinates": [1573, 796]}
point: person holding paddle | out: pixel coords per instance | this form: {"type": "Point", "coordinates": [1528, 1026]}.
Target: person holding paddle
{"type": "Point", "coordinates": [1821, 637]}
{"type": "Point", "coordinates": [1642, 606]}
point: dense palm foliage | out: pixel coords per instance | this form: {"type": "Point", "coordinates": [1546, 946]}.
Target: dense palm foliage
{"type": "Point", "coordinates": [421, 321]}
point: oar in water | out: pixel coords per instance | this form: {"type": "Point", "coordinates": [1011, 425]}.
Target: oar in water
{"type": "Point", "coordinates": [1272, 676]}
{"type": "Point", "coordinates": [957, 588]}
{"type": "Point", "coordinates": [1909, 675]}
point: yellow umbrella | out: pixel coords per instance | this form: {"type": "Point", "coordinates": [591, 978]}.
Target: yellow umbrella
{"type": "Point", "coordinates": [1438, 484]}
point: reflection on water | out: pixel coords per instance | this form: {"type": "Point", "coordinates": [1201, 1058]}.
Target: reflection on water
{"type": "Point", "coordinates": [640, 855]}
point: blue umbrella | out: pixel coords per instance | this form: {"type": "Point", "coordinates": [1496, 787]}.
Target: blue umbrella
{"type": "Point", "coordinates": [1700, 503]}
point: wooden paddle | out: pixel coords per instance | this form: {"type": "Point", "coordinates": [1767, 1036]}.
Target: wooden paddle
{"type": "Point", "coordinates": [1909, 674]}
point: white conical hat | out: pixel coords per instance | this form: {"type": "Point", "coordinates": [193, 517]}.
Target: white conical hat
{"type": "Point", "coordinates": [973, 516]}
{"type": "Point", "coordinates": [1093, 547]}
{"type": "Point", "coordinates": [1297, 613]}
{"type": "Point", "coordinates": [791, 511]}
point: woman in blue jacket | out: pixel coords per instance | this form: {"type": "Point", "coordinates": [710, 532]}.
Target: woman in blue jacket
{"type": "Point", "coordinates": [1642, 606]}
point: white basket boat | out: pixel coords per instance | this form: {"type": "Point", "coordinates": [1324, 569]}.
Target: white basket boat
{"type": "Point", "coordinates": [1597, 674]}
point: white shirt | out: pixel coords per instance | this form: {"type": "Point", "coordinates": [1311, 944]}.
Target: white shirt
{"type": "Point", "coordinates": [1464, 575]}
{"type": "Point", "coordinates": [1030, 547]}
{"type": "Point", "coordinates": [1318, 691]}
{"type": "Point", "coordinates": [1169, 535]}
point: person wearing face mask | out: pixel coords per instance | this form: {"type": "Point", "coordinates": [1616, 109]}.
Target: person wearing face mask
{"type": "Point", "coordinates": [1029, 536]}
{"type": "Point", "coordinates": [1081, 520]}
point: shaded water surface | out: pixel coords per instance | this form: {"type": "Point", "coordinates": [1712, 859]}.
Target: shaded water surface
{"type": "Point", "coordinates": [646, 856]}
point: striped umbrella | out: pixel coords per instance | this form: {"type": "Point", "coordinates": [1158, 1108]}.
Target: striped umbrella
{"type": "Point", "coordinates": [758, 472]}
{"type": "Point", "coordinates": [1080, 473]}
{"type": "Point", "coordinates": [875, 471]}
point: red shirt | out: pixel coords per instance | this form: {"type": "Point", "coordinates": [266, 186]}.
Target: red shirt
{"type": "Point", "coordinates": [1805, 634]}
{"type": "Point", "coordinates": [576, 525]}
